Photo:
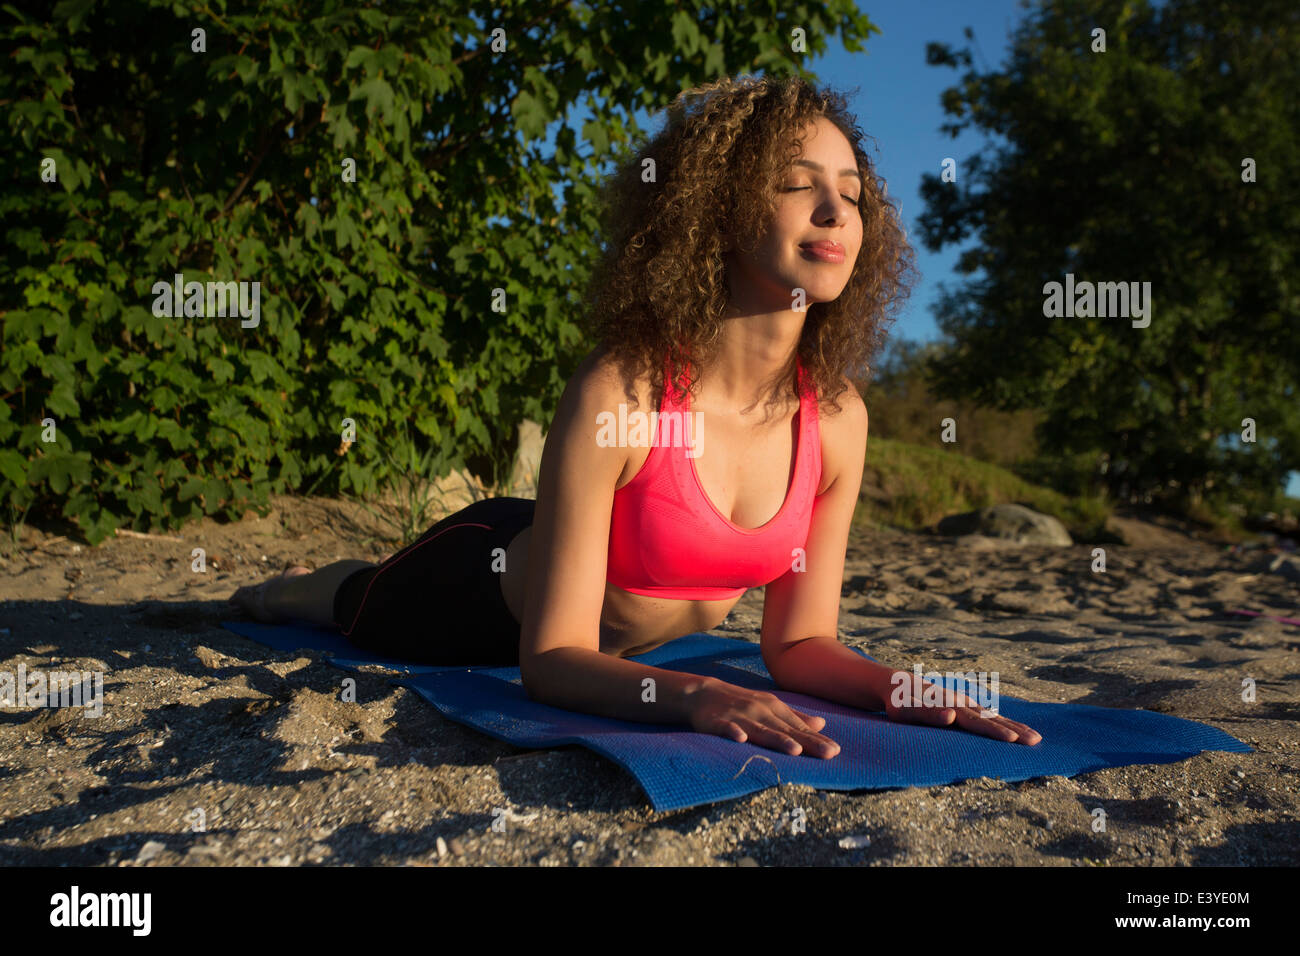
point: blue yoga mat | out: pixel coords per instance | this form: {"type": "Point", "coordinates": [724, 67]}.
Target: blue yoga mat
{"type": "Point", "coordinates": [680, 768]}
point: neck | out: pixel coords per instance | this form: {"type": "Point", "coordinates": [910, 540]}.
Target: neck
{"type": "Point", "coordinates": [754, 351]}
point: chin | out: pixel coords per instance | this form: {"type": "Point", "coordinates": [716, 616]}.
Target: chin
{"type": "Point", "coordinates": [822, 293]}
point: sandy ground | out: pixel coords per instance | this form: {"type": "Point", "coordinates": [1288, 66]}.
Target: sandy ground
{"type": "Point", "coordinates": [213, 750]}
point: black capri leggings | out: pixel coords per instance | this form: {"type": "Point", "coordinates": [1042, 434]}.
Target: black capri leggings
{"type": "Point", "coordinates": [438, 601]}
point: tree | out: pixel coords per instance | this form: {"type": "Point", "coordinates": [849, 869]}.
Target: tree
{"type": "Point", "coordinates": [376, 168]}
{"type": "Point", "coordinates": [1131, 165]}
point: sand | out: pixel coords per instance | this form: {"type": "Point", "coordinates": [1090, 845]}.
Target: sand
{"type": "Point", "coordinates": [212, 750]}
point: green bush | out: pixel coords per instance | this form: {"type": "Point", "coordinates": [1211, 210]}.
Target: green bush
{"type": "Point", "coordinates": [436, 291]}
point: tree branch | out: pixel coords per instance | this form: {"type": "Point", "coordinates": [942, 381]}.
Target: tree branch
{"type": "Point", "coordinates": [268, 137]}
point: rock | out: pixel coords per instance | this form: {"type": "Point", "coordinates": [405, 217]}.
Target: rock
{"type": "Point", "coordinates": [528, 458]}
{"type": "Point", "coordinates": [149, 851]}
{"type": "Point", "coordinates": [855, 842]}
{"type": "Point", "coordinates": [1285, 565]}
{"type": "Point", "coordinates": [207, 657]}
{"type": "Point", "coordinates": [747, 861]}
{"type": "Point", "coordinates": [1008, 522]}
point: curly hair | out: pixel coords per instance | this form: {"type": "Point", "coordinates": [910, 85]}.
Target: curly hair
{"type": "Point", "coordinates": [658, 290]}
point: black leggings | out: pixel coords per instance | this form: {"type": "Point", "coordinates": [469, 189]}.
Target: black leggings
{"type": "Point", "coordinates": [438, 601]}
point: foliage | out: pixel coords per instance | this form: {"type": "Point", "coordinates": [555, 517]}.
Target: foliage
{"type": "Point", "coordinates": [377, 296]}
{"type": "Point", "coordinates": [1127, 165]}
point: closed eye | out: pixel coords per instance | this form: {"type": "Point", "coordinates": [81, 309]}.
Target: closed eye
{"type": "Point", "coordinates": [793, 189]}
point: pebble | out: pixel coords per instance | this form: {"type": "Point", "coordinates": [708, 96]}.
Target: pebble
{"type": "Point", "coordinates": [747, 861]}
{"type": "Point", "coordinates": [442, 848]}
{"type": "Point", "coordinates": [1241, 773]}
{"type": "Point", "coordinates": [455, 846]}
{"type": "Point", "coordinates": [854, 842]}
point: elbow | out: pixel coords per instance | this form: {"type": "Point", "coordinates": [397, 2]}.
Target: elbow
{"type": "Point", "coordinates": [537, 676]}
{"type": "Point", "coordinates": [531, 678]}
{"type": "Point", "coordinates": [772, 661]}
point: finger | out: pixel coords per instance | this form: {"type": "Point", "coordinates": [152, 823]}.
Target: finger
{"type": "Point", "coordinates": [969, 718]}
{"type": "Point", "coordinates": [816, 745]}
{"type": "Point", "coordinates": [729, 729]}
{"type": "Point", "coordinates": [810, 721]}
{"type": "Point", "coordinates": [948, 702]}
{"type": "Point", "coordinates": [811, 741]}
{"type": "Point", "coordinates": [1024, 734]}
{"type": "Point", "coordinates": [1027, 735]}
{"type": "Point", "coordinates": [772, 738]}
{"type": "Point", "coordinates": [920, 713]}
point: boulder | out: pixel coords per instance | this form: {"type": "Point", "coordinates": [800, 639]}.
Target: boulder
{"type": "Point", "coordinates": [1284, 565]}
{"type": "Point", "coordinates": [1009, 522]}
{"type": "Point", "coordinates": [528, 459]}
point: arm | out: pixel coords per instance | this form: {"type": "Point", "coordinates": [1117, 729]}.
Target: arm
{"type": "Point", "coordinates": [559, 649]}
{"type": "Point", "coordinates": [801, 608]}
{"type": "Point", "coordinates": [801, 611]}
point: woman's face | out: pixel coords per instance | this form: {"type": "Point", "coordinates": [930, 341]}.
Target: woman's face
{"type": "Point", "coordinates": [817, 203]}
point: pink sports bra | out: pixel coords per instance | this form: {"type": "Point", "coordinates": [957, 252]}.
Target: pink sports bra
{"type": "Point", "coordinates": [667, 539]}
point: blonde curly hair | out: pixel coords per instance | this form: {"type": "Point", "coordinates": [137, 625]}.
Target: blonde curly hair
{"type": "Point", "coordinates": [658, 290]}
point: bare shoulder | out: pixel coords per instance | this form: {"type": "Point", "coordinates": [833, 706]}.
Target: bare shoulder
{"type": "Point", "coordinates": [594, 392]}
{"type": "Point", "coordinates": [600, 384]}
{"type": "Point", "coordinates": [843, 435]}
{"type": "Point", "coordinates": [851, 420]}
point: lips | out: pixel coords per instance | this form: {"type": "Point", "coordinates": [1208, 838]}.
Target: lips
{"type": "Point", "coordinates": [824, 245]}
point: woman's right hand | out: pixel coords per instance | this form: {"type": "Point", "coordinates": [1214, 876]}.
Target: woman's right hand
{"type": "Point", "coordinates": [761, 718]}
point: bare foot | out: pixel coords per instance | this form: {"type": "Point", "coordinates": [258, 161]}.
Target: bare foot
{"type": "Point", "coordinates": [252, 598]}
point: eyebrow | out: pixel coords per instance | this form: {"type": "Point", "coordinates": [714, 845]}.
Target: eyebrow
{"type": "Point", "coordinates": [821, 169]}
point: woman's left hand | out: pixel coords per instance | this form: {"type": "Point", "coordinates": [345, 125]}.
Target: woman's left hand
{"type": "Point", "coordinates": [904, 703]}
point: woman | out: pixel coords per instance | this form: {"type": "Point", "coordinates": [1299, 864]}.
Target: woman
{"type": "Point", "coordinates": [731, 299]}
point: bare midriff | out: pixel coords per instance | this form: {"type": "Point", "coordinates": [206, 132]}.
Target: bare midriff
{"type": "Point", "coordinates": [633, 624]}
{"type": "Point", "coordinates": [629, 623]}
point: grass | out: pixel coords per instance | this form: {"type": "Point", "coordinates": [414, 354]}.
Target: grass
{"type": "Point", "coordinates": [926, 484]}
{"type": "Point", "coordinates": [410, 502]}
{"type": "Point", "coordinates": [923, 485]}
